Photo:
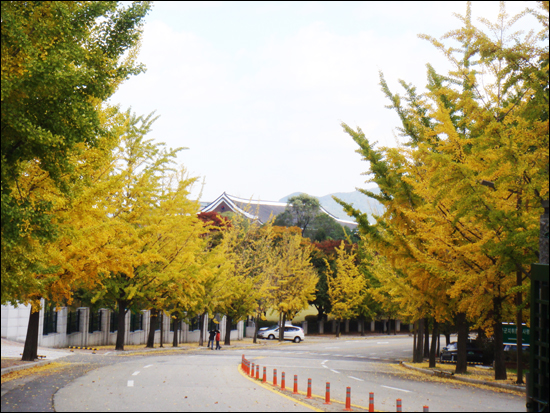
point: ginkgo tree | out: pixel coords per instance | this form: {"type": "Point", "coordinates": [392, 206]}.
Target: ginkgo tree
{"type": "Point", "coordinates": [236, 300]}
{"type": "Point", "coordinates": [249, 283]}
{"type": "Point", "coordinates": [346, 287]}
{"type": "Point", "coordinates": [463, 195]}
{"type": "Point", "coordinates": [63, 264]}
{"type": "Point", "coordinates": [294, 277]}
{"type": "Point", "coordinates": [214, 264]}
{"type": "Point", "coordinates": [155, 233]}
{"type": "Point", "coordinates": [60, 61]}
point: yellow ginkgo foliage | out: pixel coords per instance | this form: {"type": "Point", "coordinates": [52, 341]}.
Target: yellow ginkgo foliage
{"type": "Point", "coordinates": [346, 286]}
{"type": "Point", "coordinates": [294, 277]}
{"type": "Point", "coordinates": [463, 194]}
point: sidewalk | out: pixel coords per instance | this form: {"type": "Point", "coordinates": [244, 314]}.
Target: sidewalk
{"type": "Point", "coordinates": [12, 351]}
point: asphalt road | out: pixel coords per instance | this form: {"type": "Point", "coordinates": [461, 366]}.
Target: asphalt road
{"type": "Point", "coordinates": [196, 383]}
{"type": "Point", "coordinates": [205, 380]}
{"type": "Point", "coordinates": [367, 365]}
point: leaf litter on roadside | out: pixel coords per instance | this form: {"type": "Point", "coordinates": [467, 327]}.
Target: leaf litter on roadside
{"type": "Point", "coordinates": [419, 376]}
{"type": "Point", "coordinates": [42, 370]}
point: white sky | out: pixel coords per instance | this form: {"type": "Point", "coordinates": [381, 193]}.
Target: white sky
{"type": "Point", "coordinates": [257, 91]}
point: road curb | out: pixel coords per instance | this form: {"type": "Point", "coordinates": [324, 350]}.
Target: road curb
{"type": "Point", "coordinates": [466, 379]}
{"type": "Point", "coordinates": [7, 370]}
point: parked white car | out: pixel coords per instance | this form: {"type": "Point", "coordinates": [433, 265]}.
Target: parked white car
{"type": "Point", "coordinates": [293, 333]}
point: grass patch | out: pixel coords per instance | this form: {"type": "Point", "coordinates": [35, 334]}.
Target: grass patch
{"type": "Point", "coordinates": [514, 371]}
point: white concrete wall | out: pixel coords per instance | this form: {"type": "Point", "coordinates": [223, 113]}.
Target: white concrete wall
{"type": "Point", "coordinates": [193, 337]}
{"type": "Point", "coordinates": [95, 339]}
{"type": "Point", "coordinates": [80, 338]}
{"type": "Point", "coordinates": [15, 323]}
{"type": "Point", "coordinates": [58, 339]}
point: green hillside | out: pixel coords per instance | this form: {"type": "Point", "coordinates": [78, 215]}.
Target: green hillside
{"type": "Point", "coordinates": [359, 201]}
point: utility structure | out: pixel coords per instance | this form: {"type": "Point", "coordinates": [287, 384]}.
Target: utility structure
{"type": "Point", "coordinates": [537, 378]}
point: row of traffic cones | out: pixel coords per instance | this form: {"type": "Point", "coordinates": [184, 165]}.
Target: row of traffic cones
{"type": "Point", "coordinates": [256, 374]}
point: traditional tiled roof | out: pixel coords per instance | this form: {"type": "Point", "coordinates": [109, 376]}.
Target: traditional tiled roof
{"type": "Point", "coordinates": [257, 210]}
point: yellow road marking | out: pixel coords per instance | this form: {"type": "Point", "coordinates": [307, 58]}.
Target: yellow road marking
{"type": "Point", "coordinates": [269, 387]}
{"type": "Point", "coordinates": [337, 401]}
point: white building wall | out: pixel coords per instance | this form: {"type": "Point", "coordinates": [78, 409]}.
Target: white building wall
{"type": "Point", "coordinates": [15, 323]}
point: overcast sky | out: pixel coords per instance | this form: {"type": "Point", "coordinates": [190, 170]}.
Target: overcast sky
{"type": "Point", "coordinates": [257, 91]}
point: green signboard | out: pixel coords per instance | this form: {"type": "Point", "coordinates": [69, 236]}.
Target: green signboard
{"type": "Point", "coordinates": [509, 331]}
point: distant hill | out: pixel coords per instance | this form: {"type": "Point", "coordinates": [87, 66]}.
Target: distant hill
{"type": "Point", "coordinates": [359, 201]}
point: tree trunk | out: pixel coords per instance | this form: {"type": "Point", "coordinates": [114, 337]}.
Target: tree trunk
{"type": "Point", "coordinates": [256, 328]}
{"type": "Point", "coordinates": [337, 328]}
{"type": "Point", "coordinates": [362, 326]}
{"type": "Point", "coordinates": [420, 341]}
{"type": "Point", "coordinates": [201, 329]}
{"type": "Point", "coordinates": [282, 327]}
{"type": "Point", "coordinates": [435, 334]}
{"type": "Point", "coordinates": [228, 321]}
{"type": "Point", "coordinates": [153, 322]}
{"type": "Point", "coordinates": [438, 344]}
{"type": "Point", "coordinates": [447, 339]}
{"type": "Point", "coordinates": [426, 338]}
{"type": "Point", "coordinates": [462, 354]}
{"type": "Point", "coordinates": [175, 340]}
{"type": "Point", "coordinates": [415, 342]}
{"type": "Point", "coordinates": [320, 313]}
{"type": "Point", "coordinates": [500, 367]}
{"type": "Point", "coordinates": [519, 321]}
{"type": "Point", "coordinates": [30, 351]}
{"type": "Point", "coordinates": [121, 325]}
{"type": "Point", "coordinates": [161, 313]}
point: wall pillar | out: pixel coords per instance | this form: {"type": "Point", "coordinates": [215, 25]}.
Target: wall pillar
{"type": "Point", "coordinates": [185, 332]}
{"type": "Point", "coordinates": [221, 328]}
{"type": "Point", "coordinates": [84, 314]}
{"type": "Point", "coordinates": [61, 337]}
{"type": "Point", "coordinates": [240, 334]}
{"type": "Point", "coordinates": [105, 325]}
